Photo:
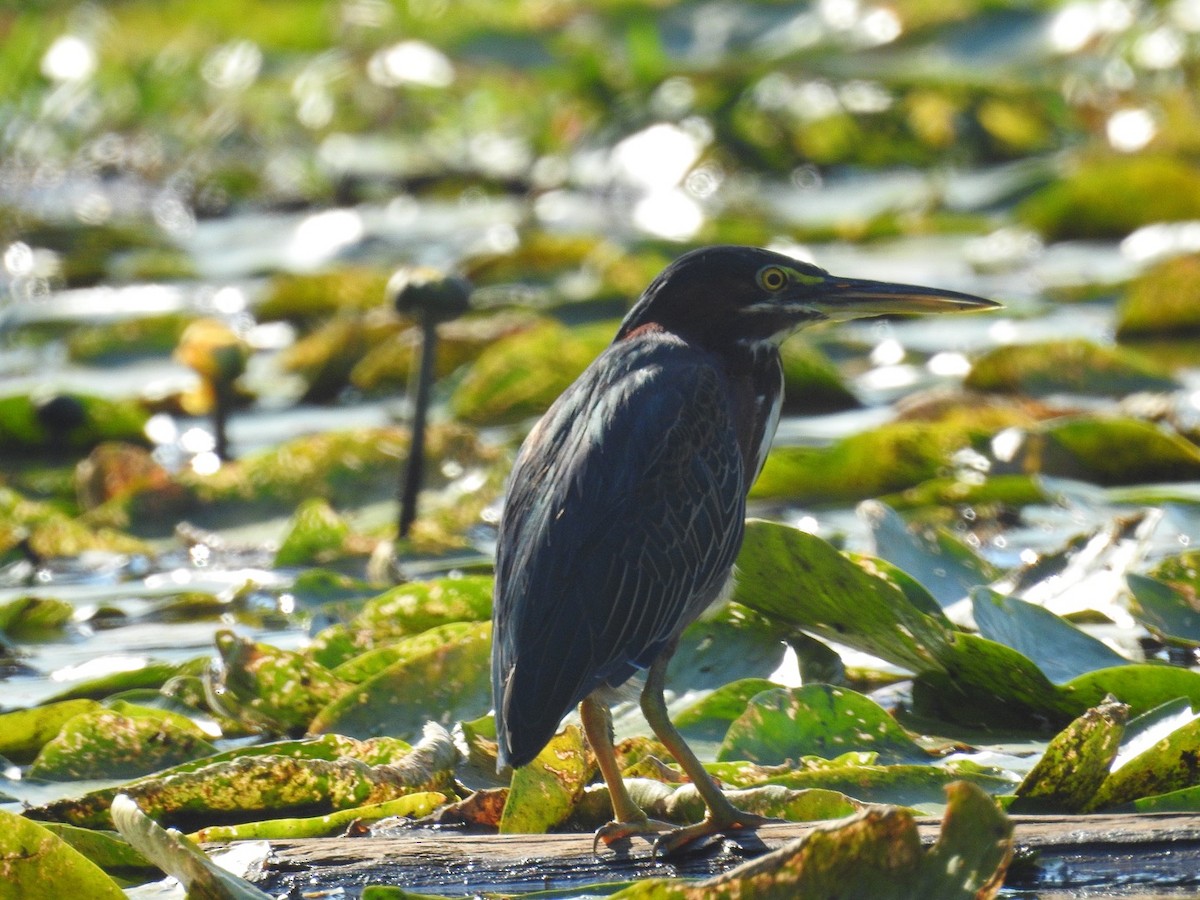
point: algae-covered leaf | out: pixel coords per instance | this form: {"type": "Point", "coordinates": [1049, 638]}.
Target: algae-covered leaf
{"type": "Point", "coordinates": [266, 786]}
{"type": "Point", "coordinates": [903, 784]}
{"type": "Point", "coordinates": [412, 608]}
{"type": "Point", "coordinates": [1075, 763]}
{"type": "Point", "coordinates": [445, 683]}
{"type": "Point", "coordinates": [876, 853]}
{"type": "Point", "coordinates": [147, 675]}
{"type": "Point", "coordinates": [179, 857]}
{"type": "Point", "coordinates": [1164, 301]}
{"type": "Point", "coordinates": [1075, 366]}
{"type": "Point", "coordinates": [414, 806]}
{"type": "Point", "coordinates": [34, 618]}
{"type": "Point", "coordinates": [367, 665]}
{"type": "Point", "coordinates": [519, 376]}
{"type": "Point", "coordinates": [1183, 800]}
{"type": "Point", "coordinates": [1116, 451]}
{"type": "Point", "coordinates": [543, 792]}
{"type": "Point", "coordinates": [1158, 756]}
{"type": "Point", "coordinates": [1142, 686]}
{"type": "Point", "coordinates": [23, 732]}
{"type": "Point", "coordinates": [39, 865]}
{"type": "Point", "coordinates": [811, 382]}
{"type": "Point", "coordinates": [801, 580]}
{"type": "Point", "coordinates": [817, 720]}
{"type": "Point", "coordinates": [683, 804]}
{"type": "Point", "coordinates": [1058, 648]}
{"type": "Point", "coordinates": [270, 688]}
{"type": "Point", "coordinates": [1164, 610]}
{"type": "Point", "coordinates": [315, 535]}
{"type": "Point", "coordinates": [119, 743]}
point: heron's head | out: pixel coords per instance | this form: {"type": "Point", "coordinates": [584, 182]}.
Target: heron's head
{"type": "Point", "coordinates": [729, 294]}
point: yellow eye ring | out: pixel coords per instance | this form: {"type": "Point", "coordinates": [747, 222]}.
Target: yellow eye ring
{"type": "Point", "coordinates": [772, 278]}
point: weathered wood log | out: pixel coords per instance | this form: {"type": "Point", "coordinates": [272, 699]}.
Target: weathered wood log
{"type": "Point", "coordinates": [1054, 853]}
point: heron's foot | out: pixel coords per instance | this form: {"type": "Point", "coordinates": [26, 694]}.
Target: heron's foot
{"type": "Point", "coordinates": [680, 838]}
{"type": "Point", "coordinates": [619, 831]}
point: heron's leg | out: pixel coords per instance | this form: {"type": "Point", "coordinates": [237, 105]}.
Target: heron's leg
{"type": "Point", "coordinates": [722, 815]}
{"type": "Point", "coordinates": [628, 817]}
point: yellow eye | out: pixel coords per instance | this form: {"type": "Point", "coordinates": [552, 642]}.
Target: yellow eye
{"type": "Point", "coordinates": [773, 278]}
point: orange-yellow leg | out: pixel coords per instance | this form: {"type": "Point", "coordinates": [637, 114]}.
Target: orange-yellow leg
{"type": "Point", "coordinates": [628, 818]}
{"type": "Point", "coordinates": [722, 815]}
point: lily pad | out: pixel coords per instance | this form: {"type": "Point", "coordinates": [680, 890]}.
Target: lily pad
{"type": "Point", "coordinates": [414, 806]}
{"type": "Point", "coordinates": [23, 732]}
{"type": "Point", "coordinates": [1168, 740]}
{"type": "Point", "coordinates": [34, 618]}
{"type": "Point", "coordinates": [119, 743]}
{"type": "Point", "coordinates": [26, 426]}
{"type": "Point", "coordinates": [108, 850]}
{"type": "Point", "coordinates": [816, 720]}
{"type": "Point", "coordinates": [709, 719]}
{"type": "Point", "coordinates": [1117, 451]}
{"type": "Point", "coordinates": [450, 681]}
{"type": "Point", "coordinates": [39, 865]}
{"type": "Point", "coordinates": [1075, 764]}
{"type": "Point", "coordinates": [877, 853]}
{"type": "Point", "coordinates": [543, 792]}
{"type": "Point", "coordinates": [1164, 610]}
{"type": "Point", "coordinates": [519, 376]}
{"type": "Point", "coordinates": [1067, 367]}
{"type": "Point", "coordinates": [903, 784]}
{"type": "Point", "coordinates": [812, 384]}
{"type": "Point", "coordinates": [1162, 302]}
{"type": "Point", "coordinates": [269, 688]}
{"type": "Point", "coordinates": [316, 535]}
{"type": "Point", "coordinates": [1058, 648]}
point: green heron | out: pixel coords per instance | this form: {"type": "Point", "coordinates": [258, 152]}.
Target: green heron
{"type": "Point", "coordinates": [625, 508]}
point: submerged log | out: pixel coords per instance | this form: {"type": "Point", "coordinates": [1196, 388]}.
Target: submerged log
{"type": "Point", "coordinates": [1058, 853]}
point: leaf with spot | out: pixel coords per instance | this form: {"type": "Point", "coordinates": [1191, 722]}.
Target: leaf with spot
{"type": "Point", "coordinates": [38, 865]}
{"type": "Point", "coordinates": [543, 793]}
{"type": "Point", "coordinates": [416, 805]}
{"type": "Point", "coordinates": [1075, 763]}
{"type": "Point", "coordinates": [1165, 609]}
{"type": "Point", "coordinates": [1161, 754]}
{"type": "Point", "coordinates": [816, 720]}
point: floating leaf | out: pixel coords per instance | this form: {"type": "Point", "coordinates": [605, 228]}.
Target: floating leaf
{"type": "Point", "coordinates": [816, 720]}
{"type": "Point", "coordinates": [709, 719]}
{"type": "Point", "coordinates": [902, 784]}
{"type": "Point", "coordinates": [877, 853]}
{"type": "Point", "coordinates": [367, 665]}
{"type": "Point", "coordinates": [1074, 366]}
{"type": "Point", "coordinates": [1183, 800]}
{"type": "Point", "coordinates": [38, 865]}
{"type": "Point", "coordinates": [415, 805]}
{"type": "Point", "coordinates": [34, 618]}
{"type": "Point", "coordinates": [416, 607]}
{"type": "Point", "coordinates": [23, 732]}
{"type": "Point", "coordinates": [451, 681]}
{"type": "Point", "coordinates": [1164, 301]}
{"type": "Point", "coordinates": [1116, 451]}
{"type": "Point", "coordinates": [119, 743]}
{"type": "Point", "coordinates": [1158, 757]}
{"type": "Point", "coordinates": [271, 688]}
{"type": "Point", "coordinates": [1058, 648]}
{"type": "Point", "coordinates": [179, 857]}
{"type": "Point", "coordinates": [149, 675]}
{"type": "Point", "coordinates": [940, 561]}
{"type": "Point", "coordinates": [1164, 610]}
{"type": "Point", "coordinates": [267, 785]}
{"type": "Point", "coordinates": [316, 535]}
{"type": "Point", "coordinates": [543, 792]}
{"type": "Point", "coordinates": [1075, 764]}
{"type": "Point", "coordinates": [108, 850]}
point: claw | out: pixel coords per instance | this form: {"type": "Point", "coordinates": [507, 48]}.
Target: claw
{"type": "Point", "coordinates": [677, 839]}
{"type": "Point", "coordinates": [612, 832]}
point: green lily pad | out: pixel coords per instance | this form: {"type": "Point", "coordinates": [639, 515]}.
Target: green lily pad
{"type": "Point", "coordinates": [39, 865]}
{"type": "Point", "coordinates": [450, 681]}
{"type": "Point", "coordinates": [940, 561]}
{"type": "Point", "coordinates": [91, 420]}
{"type": "Point", "coordinates": [1143, 686]}
{"type": "Point", "coordinates": [1110, 196]}
{"type": "Point", "coordinates": [1164, 610]}
{"type": "Point", "coordinates": [316, 535]}
{"type": "Point", "coordinates": [876, 853]}
{"type": "Point", "coordinates": [1183, 800]}
{"type": "Point", "coordinates": [709, 719]}
{"type": "Point", "coordinates": [413, 806]}
{"type": "Point", "coordinates": [889, 458]}
{"type": "Point", "coordinates": [1058, 648]}
{"type": "Point", "coordinates": [543, 792]}
{"type": "Point", "coordinates": [119, 743]}
{"type": "Point", "coordinates": [903, 784]}
{"type": "Point", "coordinates": [812, 384]}
{"type": "Point", "coordinates": [23, 732]}
{"type": "Point", "coordinates": [817, 720]}
{"type": "Point", "coordinates": [1116, 451]}
{"type": "Point", "coordinates": [1164, 301]}
{"type": "Point", "coordinates": [34, 618]}
{"type": "Point", "coordinates": [307, 297]}
{"type": "Point", "coordinates": [108, 850]}
{"type": "Point", "coordinates": [1169, 740]}
{"type": "Point", "coordinates": [271, 688]}
{"type": "Point", "coordinates": [519, 376]}
{"type": "Point", "coordinates": [265, 786]}
{"type": "Point", "coordinates": [369, 664]}
{"type": "Point", "coordinates": [1075, 764]}
{"type": "Point", "coordinates": [1067, 367]}
{"type": "Point", "coordinates": [151, 675]}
